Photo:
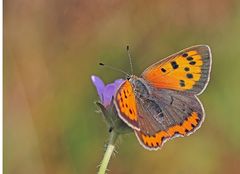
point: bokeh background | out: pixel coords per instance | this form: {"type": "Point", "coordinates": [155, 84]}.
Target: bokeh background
{"type": "Point", "coordinates": [51, 48]}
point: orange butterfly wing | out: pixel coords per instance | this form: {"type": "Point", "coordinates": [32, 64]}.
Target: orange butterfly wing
{"type": "Point", "coordinates": [156, 141]}
{"type": "Point", "coordinates": [187, 70]}
{"type": "Point", "coordinates": [126, 106]}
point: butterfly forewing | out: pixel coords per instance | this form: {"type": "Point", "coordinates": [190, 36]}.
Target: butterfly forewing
{"type": "Point", "coordinates": [187, 70]}
{"type": "Point", "coordinates": [126, 105]}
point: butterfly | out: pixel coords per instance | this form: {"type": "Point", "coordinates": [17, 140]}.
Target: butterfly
{"type": "Point", "coordinates": [162, 103]}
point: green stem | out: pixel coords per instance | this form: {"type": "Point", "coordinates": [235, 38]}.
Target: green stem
{"type": "Point", "coordinates": [108, 153]}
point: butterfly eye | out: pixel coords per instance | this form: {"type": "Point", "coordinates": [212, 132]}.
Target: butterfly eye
{"type": "Point", "coordinates": [128, 78]}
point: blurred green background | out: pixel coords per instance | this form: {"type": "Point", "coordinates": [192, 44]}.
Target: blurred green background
{"type": "Point", "coordinates": [51, 48]}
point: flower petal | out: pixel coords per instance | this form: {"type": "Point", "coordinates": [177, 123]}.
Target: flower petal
{"type": "Point", "coordinates": [108, 94]}
{"type": "Point", "coordinates": [118, 82]}
{"type": "Point", "coordinates": [110, 90]}
{"type": "Point", "coordinates": [98, 83]}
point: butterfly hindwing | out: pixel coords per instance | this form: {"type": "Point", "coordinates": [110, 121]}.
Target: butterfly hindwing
{"type": "Point", "coordinates": [172, 114]}
{"type": "Point", "coordinates": [187, 70]}
{"type": "Point", "coordinates": [126, 105]}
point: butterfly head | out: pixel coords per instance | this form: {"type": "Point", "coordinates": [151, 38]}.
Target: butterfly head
{"type": "Point", "coordinates": [131, 77]}
{"type": "Point", "coordinates": [139, 86]}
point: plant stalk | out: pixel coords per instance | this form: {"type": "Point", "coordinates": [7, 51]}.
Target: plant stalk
{"type": "Point", "coordinates": [108, 152]}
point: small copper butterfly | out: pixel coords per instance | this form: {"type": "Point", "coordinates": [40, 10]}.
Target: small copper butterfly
{"type": "Point", "coordinates": [162, 103]}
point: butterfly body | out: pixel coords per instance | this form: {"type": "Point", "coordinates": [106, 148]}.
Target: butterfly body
{"type": "Point", "coordinates": [141, 89]}
{"type": "Point", "coordinates": [161, 104]}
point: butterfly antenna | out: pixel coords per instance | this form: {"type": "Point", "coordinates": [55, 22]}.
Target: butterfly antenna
{"type": "Point", "coordinates": [113, 68]}
{"type": "Point", "coordinates": [130, 59]}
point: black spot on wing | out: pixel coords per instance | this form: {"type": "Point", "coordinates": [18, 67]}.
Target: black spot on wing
{"type": "Point", "coordinates": [163, 70]}
{"type": "Point", "coordinates": [125, 95]}
{"type": "Point", "coordinates": [182, 83]}
{"type": "Point", "coordinates": [189, 58]}
{"type": "Point", "coordinates": [186, 69]}
{"type": "Point", "coordinates": [189, 75]}
{"type": "Point", "coordinates": [121, 99]}
{"type": "Point", "coordinates": [192, 63]}
{"type": "Point", "coordinates": [174, 64]}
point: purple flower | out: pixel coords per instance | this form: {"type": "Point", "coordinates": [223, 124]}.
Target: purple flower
{"type": "Point", "coordinates": [108, 109]}
{"type": "Point", "coordinates": [106, 92]}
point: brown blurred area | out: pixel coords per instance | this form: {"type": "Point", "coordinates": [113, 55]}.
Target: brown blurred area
{"type": "Point", "coordinates": [51, 48]}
